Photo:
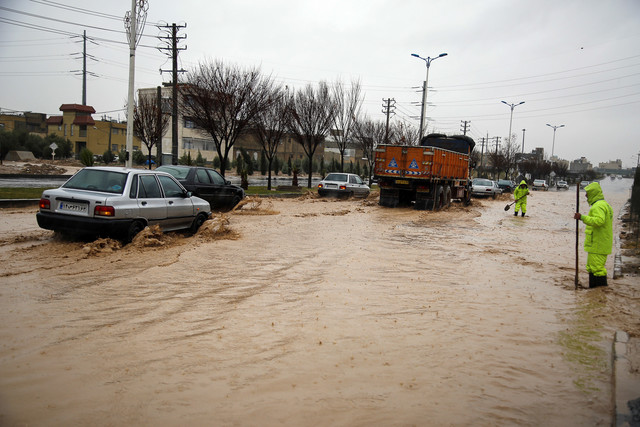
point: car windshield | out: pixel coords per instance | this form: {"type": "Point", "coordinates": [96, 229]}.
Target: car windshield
{"type": "Point", "coordinates": [341, 177]}
{"type": "Point", "coordinates": [97, 180]}
{"type": "Point", "coordinates": [504, 182]}
{"type": "Point", "coordinates": [177, 172]}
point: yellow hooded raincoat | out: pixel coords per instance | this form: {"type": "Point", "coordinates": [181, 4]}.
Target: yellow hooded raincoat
{"type": "Point", "coordinates": [598, 240]}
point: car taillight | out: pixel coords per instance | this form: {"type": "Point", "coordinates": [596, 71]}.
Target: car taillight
{"type": "Point", "coordinates": [104, 211]}
{"type": "Point", "coordinates": [319, 185]}
{"type": "Point", "coordinates": [45, 204]}
{"type": "Point", "coordinates": [343, 187]}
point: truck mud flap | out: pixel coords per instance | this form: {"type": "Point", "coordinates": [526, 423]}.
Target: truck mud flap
{"type": "Point", "coordinates": [389, 197]}
{"type": "Point", "coordinates": [423, 201]}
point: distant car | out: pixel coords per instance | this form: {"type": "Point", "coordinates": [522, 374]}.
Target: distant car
{"type": "Point", "coordinates": [343, 184]}
{"type": "Point", "coordinates": [584, 183]}
{"type": "Point", "coordinates": [562, 185]}
{"type": "Point", "coordinates": [208, 184]}
{"type": "Point", "coordinates": [485, 188]}
{"type": "Point", "coordinates": [507, 186]}
{"type": "Point", "coordinates": [120, 202]}
{"type": "Point", "coordinates": [540, 184]}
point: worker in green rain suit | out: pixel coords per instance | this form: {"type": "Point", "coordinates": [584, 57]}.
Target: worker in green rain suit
{"type": "Point", "coordinates": [598, 240]}
{"type": "Point", "coordinates": [520, 194]}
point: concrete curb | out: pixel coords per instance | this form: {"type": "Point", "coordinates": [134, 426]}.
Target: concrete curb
{"type": "Point", "coordinates": [625, 385]}
{"type": "Point", "coordinates": [18, 203]}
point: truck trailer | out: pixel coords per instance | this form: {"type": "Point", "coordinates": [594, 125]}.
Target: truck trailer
{"type": "Point", "coordinates": [428, 176]}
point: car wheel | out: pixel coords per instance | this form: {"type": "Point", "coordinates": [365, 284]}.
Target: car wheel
{"type": "Point", "coordinates": [494, 195]}
{"type": "Point", "coordinates": [197, 222]}
{"type": "Point", "coordinates": [236, 200]}
{"type": "Point", "coordinates": [134, 229]}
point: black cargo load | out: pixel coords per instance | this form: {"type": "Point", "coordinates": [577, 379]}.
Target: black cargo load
{"type": "Point", "coordinates": [457, 143]}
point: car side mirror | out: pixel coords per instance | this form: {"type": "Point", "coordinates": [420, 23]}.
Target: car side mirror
{"type": "Point", "coordinates": [187, 194]}
{"type": "Point", "coordinates": [228, 182]}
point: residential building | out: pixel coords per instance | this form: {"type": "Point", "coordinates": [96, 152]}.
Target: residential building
{"type": "Point", "coordinates": [580, 165]}
{"type": "Point", "coordinates": [191, 139]}
{"type": "Point", "coordinates": [78, 126]}
{"type": "Point", "coordinates": [29, 122]}
{"type": "Point", "coordinates": [611, 165]}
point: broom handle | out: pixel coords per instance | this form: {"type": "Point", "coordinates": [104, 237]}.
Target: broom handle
{"type": "Point", "coordinates": [577, 229]}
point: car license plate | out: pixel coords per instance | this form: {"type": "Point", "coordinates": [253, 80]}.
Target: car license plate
{"type": "Point", "coordinates": [73, 207]}
{"type": "Point", "coordinates": [402, 181]}
{"type": "Point", "coordinates": [332, 186]}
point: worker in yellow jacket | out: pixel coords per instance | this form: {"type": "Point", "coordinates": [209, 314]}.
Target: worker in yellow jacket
{"type": "Point", "coordinates": [598, 240]}
{"type": "Point", "coordinates": [520, 195]}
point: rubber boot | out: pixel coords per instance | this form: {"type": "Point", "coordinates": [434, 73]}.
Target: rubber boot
{"type": "Point", "coordinates": [522, 213]}
{"type": "Point", "coordinates": [592, 280]}
{"type": "Point", "coordinates": [601, 280]}
{"type": "Point", "coordinates": [515, 213]}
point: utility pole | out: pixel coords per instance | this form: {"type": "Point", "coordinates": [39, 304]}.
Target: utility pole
{"type": "Point", "coordinates": [388, 109]}
{"type": "Point", "coordinates": [173, 47]}
{"type": "Point", "coordinates": [482, 141]}
{"type": "Point", "coordinates": [523, 130]}
{"type": "Point", "coordinates": [134, 21]}
{"type": "Point", "coordinates": [84, 67]}
{"type": "Point", "coordinates": [159, 134]}
{"type": "Point", "coordinates": [465, 126]}
{"type": "Point", "coordinates": [496, 158]}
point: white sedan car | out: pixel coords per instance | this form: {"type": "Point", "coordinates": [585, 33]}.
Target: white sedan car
{"type": "Point", "coordinates": [481, 187]}
{"type": "Point", "coordinates": [343, 184]}
{"type": "Point", "coordinates": [120, 202]}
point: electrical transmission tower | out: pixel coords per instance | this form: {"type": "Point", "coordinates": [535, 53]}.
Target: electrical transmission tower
{"type": "Point", "coordinates": [465, 125]}
{"type": "Point", "coordinates": [171, 41]}
{"type": "Point", "coordinates": [388, 108]}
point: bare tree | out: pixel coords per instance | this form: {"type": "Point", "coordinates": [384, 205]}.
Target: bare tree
{"type": "Point", "coordinates": [347, 110]}
{"type": "Point", "coordinates": [149, 124]}
{"type": "Point", "coordinates": [271, 126]}
{"type": "Point", "coordinates": [223, 100]}
{"type": "Point", "coordinates": [370, 134]}
{"type": "Point", "coordinates": [510, 150]}
{"type": "Point", "coordinates": [312, 112]}
{"type": "Point", "coordinates": [402, 133]}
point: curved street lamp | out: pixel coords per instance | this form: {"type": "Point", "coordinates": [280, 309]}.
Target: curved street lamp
{"type": "Point", "coordinates": [554, 136]}
{"type": "Point", "coordinates": [511, 119]}
{"type": "Point", "coordinates": [427, 61]}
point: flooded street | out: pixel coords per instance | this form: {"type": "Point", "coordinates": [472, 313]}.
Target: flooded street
{"type": "Point", "coordinates": [316, 312]}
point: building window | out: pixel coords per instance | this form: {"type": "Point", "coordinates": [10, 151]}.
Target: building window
{"type": "Point", "coordinates": [114, 147]}
{"type": "Point", "coordinates": [60, 126]}
{"type": "Point", "coordinates": [71, 130]}
{"type": "Point", "coordinates": [83, 131]}
{"type": "Point", "coordinates": [65, 130]}
{"type": "Point", "coordinates": [189, 124]}
{"type": "Point", "coordinates": [114, 131]}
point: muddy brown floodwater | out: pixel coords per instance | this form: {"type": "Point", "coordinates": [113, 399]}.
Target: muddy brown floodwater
{"type": "Point", "coordinates": [314, 312]}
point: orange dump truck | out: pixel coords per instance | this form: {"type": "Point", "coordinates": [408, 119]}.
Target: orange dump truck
{"type": "Point", "coordinates": [429, 175]}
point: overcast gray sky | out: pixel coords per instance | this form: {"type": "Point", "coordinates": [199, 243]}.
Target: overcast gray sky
{"type": "Point", "coordinates": [573, 63]}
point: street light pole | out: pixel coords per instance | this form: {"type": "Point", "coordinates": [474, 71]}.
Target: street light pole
{"type": "Point", "coordinates": [523, 140]}
{"type": "Point", "coordinates": [511, 119]}
{"type": "Point", "coordinates": [554, 137]}
{"type": "Point", "coordinates": [134, 21]}
{"type": "Point", "coordinates": [427, 61]}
